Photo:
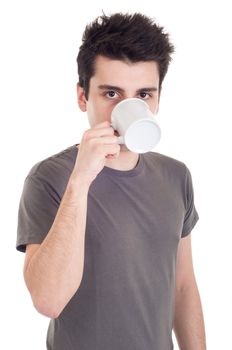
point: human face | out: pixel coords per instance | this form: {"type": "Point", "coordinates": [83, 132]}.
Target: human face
{"type": "Point", "coordinates": [116, 80]}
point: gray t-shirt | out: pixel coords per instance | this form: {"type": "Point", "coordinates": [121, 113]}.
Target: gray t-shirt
{"type": "Point", "coordinates": [135, 220]}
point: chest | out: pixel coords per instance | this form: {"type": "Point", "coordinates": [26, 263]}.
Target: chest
{"type": "Point", "coordinates": [135, 218]}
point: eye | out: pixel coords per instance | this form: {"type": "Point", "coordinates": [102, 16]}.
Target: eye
{"type": "Point", "coordinates": [111, 94]}
{"type": "Point", "coordinates": [144, 95]}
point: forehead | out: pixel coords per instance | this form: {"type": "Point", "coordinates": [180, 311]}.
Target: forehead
{"type": "Point", "coordinates": [123, 73]}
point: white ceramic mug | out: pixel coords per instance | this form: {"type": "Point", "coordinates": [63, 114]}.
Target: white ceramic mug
{"type": "Point", "coordinates": [136, 125]}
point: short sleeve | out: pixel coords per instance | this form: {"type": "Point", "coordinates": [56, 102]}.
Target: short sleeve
{"type": "Point", "coordinates": [37, 210]}
{"type": "Point", "coordinates": [191, 215]}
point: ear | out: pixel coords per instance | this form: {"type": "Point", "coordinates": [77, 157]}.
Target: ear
{"type": "Point", "coordinates": [81, 100]}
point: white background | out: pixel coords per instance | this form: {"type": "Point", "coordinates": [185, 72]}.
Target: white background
{"type": "Point", "coordinates": [39, 117]}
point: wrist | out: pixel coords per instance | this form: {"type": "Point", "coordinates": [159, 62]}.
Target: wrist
{"type": "Point", "coordinates": [79, 181]}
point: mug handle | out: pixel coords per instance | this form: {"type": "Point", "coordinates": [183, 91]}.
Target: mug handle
{"type": "Point", "coordinates": [120, 138]}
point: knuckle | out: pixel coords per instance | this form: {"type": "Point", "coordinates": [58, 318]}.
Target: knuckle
{"type": "Point", "coordinates": [85, 135]}
{"type": "Point", "coordinates": [88, 134]}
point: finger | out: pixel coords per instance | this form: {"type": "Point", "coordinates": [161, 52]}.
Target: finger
{"type": "Point", "coordinates": [104, 141]}
{"type": "Point", "coordinates": [108, 140]}
{"type": "Point", "coordinates": [111, 149]}
{"type": "Point", "coordinates": [112, 156]}
{"type": "Point", "coordinates": [102, 125]}
{"type": "Point", "coordinates": [100, 132]}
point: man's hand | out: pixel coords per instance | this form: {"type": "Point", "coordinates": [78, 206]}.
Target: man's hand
{"type": "Point", "coordinates": [97, 144]}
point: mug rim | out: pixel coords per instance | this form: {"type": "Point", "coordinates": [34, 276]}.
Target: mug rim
{"type": "Point", "coordinates": [131, 99]}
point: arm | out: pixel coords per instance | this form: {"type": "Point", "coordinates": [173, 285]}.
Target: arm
{"type": "Point", "coordinates": [188, 320]}
{"type": "Point", "coordinates": [53, 271]}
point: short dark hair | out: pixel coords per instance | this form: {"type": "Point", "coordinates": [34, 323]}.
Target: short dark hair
{"type": "Point", "coordinates": [129, 37]}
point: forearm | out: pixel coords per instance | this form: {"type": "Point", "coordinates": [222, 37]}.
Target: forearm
{"type": "Point", "coordinates": [188, 321]}
{"type": "Point", "coordinates": [54, 272]}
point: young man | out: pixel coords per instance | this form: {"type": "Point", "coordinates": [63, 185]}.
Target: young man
{"type": "Point", "coordinates": [107, 231]}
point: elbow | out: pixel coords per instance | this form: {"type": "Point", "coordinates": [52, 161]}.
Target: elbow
{"type": "Point", "coordinates": [48, 309]}
{"type": "Point", "coordinates": [49, 303]}
{"type": "Point", "coordinates": [51, 306]}
{"type": "Point", "coordinates": [43, 303]}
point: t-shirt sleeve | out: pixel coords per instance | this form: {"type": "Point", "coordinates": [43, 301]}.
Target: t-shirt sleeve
{"type": "Point", "coordinates": [191, 215]}
{"type": "Point", "coordinates": [37, 210]}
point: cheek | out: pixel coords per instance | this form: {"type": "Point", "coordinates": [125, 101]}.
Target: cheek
{"type": "Point", "coordinates": [154, 106]}
{"type": "Point", "coordinates": [98, 112]}
{"type": "Point", "coordinates": [156, 109]}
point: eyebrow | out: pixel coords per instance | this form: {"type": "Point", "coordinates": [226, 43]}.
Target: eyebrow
{"type": "Point", "coordinates": [112, 87]}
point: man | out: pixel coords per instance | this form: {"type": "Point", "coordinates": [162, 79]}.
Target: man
{"type": "Point", "coordinates": [107, 231]}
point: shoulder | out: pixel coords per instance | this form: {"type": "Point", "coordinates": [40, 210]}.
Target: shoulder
{"type": "Point", "coordinates": [166, 164]}
{"type": "Point", "coordinates": [56, 167]}
{"type": "Point", "coordinates": [171, 173]}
